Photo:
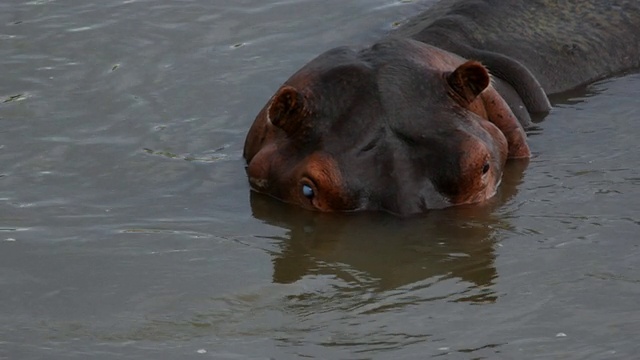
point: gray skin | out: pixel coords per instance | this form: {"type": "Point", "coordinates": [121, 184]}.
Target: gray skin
{"type": "Point", "coordinates": [559, 44]}
{"type": "Point", "coordinates": [409, 125]}
{"type": "Point", "coordinates": [384, 130]}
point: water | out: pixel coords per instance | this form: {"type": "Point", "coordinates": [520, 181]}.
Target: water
{"type": "Point", "coordinates": [127, 229]}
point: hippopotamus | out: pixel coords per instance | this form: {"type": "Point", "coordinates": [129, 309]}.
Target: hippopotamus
{"type": "Point", "coordinates": [427, 117]}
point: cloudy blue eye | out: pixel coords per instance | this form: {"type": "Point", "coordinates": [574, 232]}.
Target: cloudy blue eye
{"type": "Point", "coordinates": [307, 191]}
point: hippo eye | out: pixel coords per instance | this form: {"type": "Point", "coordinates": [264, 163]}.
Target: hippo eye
{"type": "Point", "coordinates": [485, 168]}
{"type": "Point", "coordinates": [307, 191]}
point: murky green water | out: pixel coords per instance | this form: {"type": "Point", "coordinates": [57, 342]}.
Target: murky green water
{"type": "Point", "coordinates": [127, 229]}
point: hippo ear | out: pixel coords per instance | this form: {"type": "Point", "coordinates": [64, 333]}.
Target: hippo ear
{"type": "Point", "coordinates": [469, 80]}
{"type": "Point", "coordinates": [287, 109]}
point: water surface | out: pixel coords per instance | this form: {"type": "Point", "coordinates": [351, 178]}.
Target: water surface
{"type": "Point", "coordinates": [127, 229]}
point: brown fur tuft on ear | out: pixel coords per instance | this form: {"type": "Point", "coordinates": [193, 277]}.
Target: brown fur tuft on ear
{"type": "Point", "coordinates": [469, 80]}
{"type": "Point", "coordinates": [287, 109]}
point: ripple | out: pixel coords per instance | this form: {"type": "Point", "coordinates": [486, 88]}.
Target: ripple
{"type": "Point", "coordinates": [13, 229]}
{"type": "Point", "coordinates": [188, 157]}
{"type": "Point", "coordinates": [16, 98]}
{"type": "Point", "coordinates": [191, 234]}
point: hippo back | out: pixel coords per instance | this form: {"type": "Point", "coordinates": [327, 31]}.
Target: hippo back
{"type": "Point", "coordinates": [564, 43]}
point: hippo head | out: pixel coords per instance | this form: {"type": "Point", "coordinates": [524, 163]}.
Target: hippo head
{"type": "Point", "coordinates": [401, 126]}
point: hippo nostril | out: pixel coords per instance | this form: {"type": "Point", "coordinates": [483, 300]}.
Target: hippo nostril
{"type": "Point", "coordinates": [485, 168]}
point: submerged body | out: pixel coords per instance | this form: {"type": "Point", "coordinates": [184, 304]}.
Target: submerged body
{"type": "Point", "coordinates": [414, 122]}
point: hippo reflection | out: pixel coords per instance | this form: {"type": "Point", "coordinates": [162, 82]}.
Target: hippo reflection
{"type": "Point", "coordinates": [386, 253]}
{"type": "Point", "coordinates": [417, 122]}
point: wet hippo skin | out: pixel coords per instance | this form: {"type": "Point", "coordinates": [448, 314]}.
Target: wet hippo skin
{"type": "Point", "coordinates": [426, 118]}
